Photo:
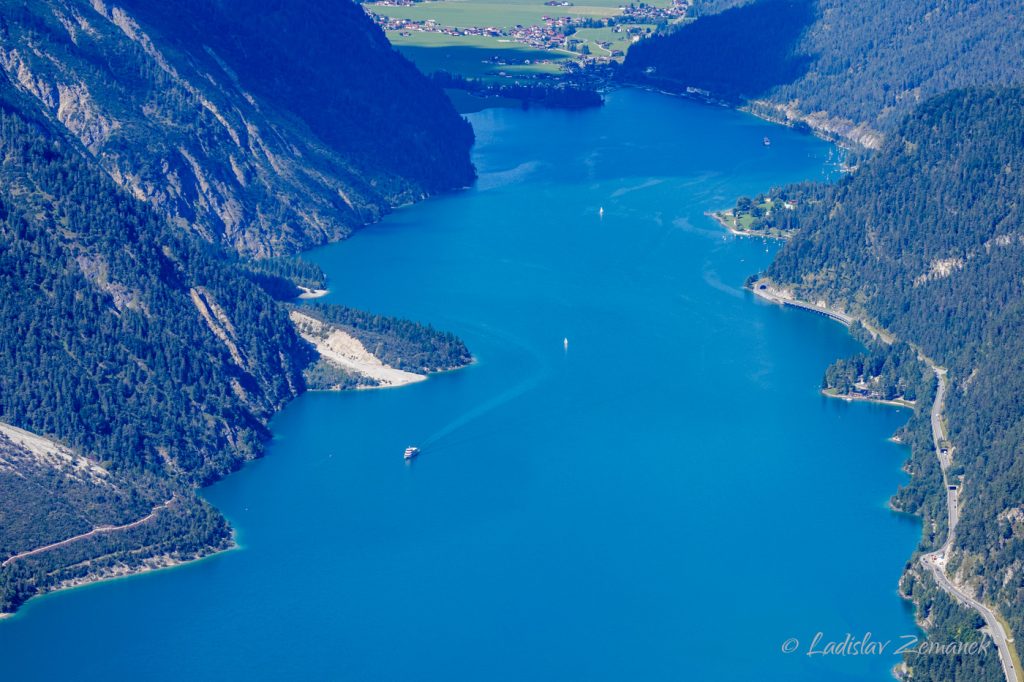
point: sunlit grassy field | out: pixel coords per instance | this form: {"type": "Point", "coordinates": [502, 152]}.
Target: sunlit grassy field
{"type": "Point", "coordinates": [619, 41]}
{"type": "Point", "coordinates": [497, 13]}
{"type": "Point", "coordinates": [467, 55]}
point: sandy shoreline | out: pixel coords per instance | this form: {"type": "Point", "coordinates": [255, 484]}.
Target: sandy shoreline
{"type": "Point", "coordinates": [332, 344]}
{"type": "Point", "coordinates": [311, 293]}
{"type": "Point", "coordinates": [348, 352]}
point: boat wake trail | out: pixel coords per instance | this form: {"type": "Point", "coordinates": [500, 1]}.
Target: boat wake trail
{"type": "Point", "coordinates": [446, 435]}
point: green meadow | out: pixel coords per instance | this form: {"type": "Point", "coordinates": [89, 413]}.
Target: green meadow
{"type": "Point", "coordinates": [619, 41]}
{"type": "Point", "coordinates": [497, 13]}
{"type": "Point", "coordinates": [468, 55]}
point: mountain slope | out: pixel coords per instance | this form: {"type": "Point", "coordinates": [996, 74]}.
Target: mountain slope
{"type": "Point", "coordinates": [737, 54]}
{"type": "Point", "coordinates": [927, 240]}
{"type": "Point", "coordinates": [148, 152]}
{"type": "Point", "coordinates": [266, 126]}
{"type": "Point", "coordinates": [149, 363]}
{"type": "Point", "coordinates": [866, 64]}
{"type": "Point", "coordinates": [122, 337]}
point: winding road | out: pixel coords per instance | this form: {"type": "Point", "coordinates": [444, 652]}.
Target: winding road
{"type": "Point", "coordinates": [935, 561]}
{"type": "Point", "coordinates": [99, 530]}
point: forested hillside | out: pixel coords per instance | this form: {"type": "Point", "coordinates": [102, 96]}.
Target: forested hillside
{"type": "Point", "coordinates": [109, 313]}
{"type": "Point", "coordinates": [148, 360]}
{"type": "Point", "coordinates": [399, 343]}
{"type": "Point", "coordinates": [863, 65]}
{"type": "Point", "coordinates": [927, 240]}
{"type": "Point", "coordinates": [148, 152]}
{"type": "Point", "coordinates": [131, 344]}
{"type": "Point", "coordinates": [739, 54]}
{"type": "Point", "coordinates": [267, 127]}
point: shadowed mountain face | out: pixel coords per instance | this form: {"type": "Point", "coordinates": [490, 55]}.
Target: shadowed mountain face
{"type": "Point", "coordinates": [738, 54]}
{"type": "Point", "coordinates": [266, 126]}
{"type": "Point", "coordinates": [327, 63]}
{"type": "Point", "coordinates": [856, 68]}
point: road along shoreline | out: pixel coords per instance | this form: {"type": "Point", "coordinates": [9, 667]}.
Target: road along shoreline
{"type": "Point", "coordinates": [934, 562]}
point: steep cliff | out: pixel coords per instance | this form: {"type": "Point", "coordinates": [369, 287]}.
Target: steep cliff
{"type": "Point", "coordinates": [147, 362]}
{"type": "Point", "coordinates": [265, 126]}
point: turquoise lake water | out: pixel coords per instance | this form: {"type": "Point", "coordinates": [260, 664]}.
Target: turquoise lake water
{"type": "Point", "coordinates": [670, 498]}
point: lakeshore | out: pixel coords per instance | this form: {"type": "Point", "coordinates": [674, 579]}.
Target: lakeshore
{"type": "Point", "coordinates": [768, 291]}
{"type": "Point", "coordinates": [898, 402]}
{"type": "Point", "coordinates": [534, 475]}
{"type": "Point", "coordinates": [311, 293]}
{"type": "Point", "coordinates": [116, 573]}
{"type": "Point", "coordinates": [347, 352]}
{"type": "Point", "coordinates": [935, 562]}
{"type": "Point", "coordinates": [728, 220]}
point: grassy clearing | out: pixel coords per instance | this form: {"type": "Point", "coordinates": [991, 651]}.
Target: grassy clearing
{"type": "Point", "coordinates": [483, 13]}
{"type": "Point", "coordinates": [595, 37]}
{"type": "Point", "coordinates": [466, 55]}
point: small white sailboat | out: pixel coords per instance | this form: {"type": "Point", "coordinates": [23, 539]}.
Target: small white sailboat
{"type": "Point", "coordinates": [565, 342]}
{"type": "Point", "coordinates": [600, 212]}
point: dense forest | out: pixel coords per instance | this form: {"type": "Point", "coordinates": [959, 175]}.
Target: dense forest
{"type": "Point", "coordinates": [283, 278]}
{"type": "Point", "coordinates": [108, 313]}
{"type": "Point", "coordinates": [884, 372]}
{"type": "Point", "coordinates": [150, 357]}
{"type": "Point", "coordinates": [76, 499]}
{"type": "Point", "coordinates": [739, 54]}
{"type": "Point", "coordinates": [128, 342]}
{"type": "Point", "coordinates": [145, 157]}
{"type": "Point", "coordinates": [404, 344]}
{"type": "Point", "coordinates": [299, 272]}
{"type": "Point", "coordinates": [265, 127]}
{"type": "Point", "coordinates": [187, 528]}
{"type": "Point", "coordinates": [847, 67]}
{"type": "Point", "coordinates": [953, 623]}
{"type": "Point", "coordinates": [927, 241]}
